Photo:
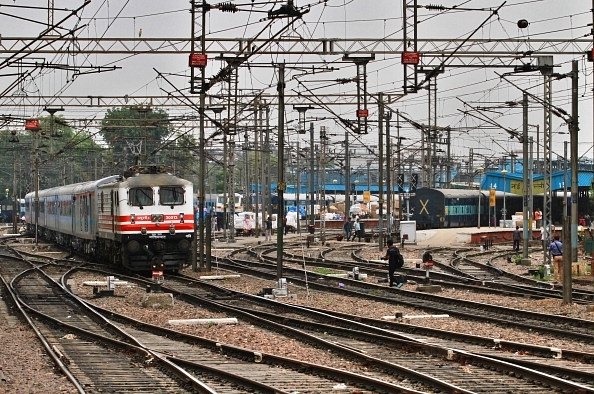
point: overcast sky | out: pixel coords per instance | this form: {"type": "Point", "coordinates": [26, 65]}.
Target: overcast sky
{"type": "Point", "coordinates": [340, 19]}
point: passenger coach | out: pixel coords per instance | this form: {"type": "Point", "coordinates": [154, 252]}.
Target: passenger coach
{"type": "Point", "coordinates": [445, 208]}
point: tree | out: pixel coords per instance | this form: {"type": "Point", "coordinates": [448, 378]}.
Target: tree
{"type": "Point", "coordinates": [180, 152]}
{"type": "Point", "coordinates": [134, 134]}
{"type": "Point", "coordinates": [65, 155]}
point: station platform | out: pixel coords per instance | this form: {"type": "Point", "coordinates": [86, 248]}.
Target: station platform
{"type": "Point", "coordinates": [466, 236]}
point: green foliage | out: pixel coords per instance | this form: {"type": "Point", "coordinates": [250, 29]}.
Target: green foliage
{"type": "Point", "coordinates": [542, 274]}
{"type": "Point", "coordinates": [127, 135]}
{"type": "Point", "coordinates": [65, 155]}
{"type": "Point", "coordinates": [517, 259]}
{"type": "Point", "coordinates": [181, 151]}
{"type": "Point", "coordinates": [135, 134]}
{"type": "Point", "coordinates": [325, 271]}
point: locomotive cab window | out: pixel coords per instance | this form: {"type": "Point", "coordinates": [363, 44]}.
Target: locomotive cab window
{"type": "Point", "coordinates": [171, 195]}
{"type": "Point", "coordinates": [140, 196]}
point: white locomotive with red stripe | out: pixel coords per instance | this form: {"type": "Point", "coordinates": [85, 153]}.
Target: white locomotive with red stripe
{"type": "Point", "coordinates": [142, 220]}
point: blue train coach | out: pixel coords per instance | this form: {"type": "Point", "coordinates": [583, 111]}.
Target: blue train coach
{"type": "Point", "coordinates": [446, 208]}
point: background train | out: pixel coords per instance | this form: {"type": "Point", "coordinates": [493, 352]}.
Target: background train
{"type": "Point", "coordinates": [290, 199]}
{"type": "Point", "coordinates": [142, 220]}
{"type": "Point", "coordinates": [446, 208]}
{"type": "Point", "coordinates": [7, 212]}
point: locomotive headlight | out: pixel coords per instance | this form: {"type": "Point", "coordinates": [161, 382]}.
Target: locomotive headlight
{"type": "Point", "coordinates": [181, 217]}
{"type": "Point", "coordinates": [132, 218]}
{"type": "Point", "coordinates": [133, 246]}
{"type": "Point", "coordinates": [171, 229]}
{"type": "Point", "coordinates": [143, 231]}
{"type": "Point", "coordinates": [184, 244]}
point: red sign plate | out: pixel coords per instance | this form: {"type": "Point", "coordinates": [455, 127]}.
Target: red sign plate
{"type": "Point", "coordinates": [198, 59]}
{"type": "Point", "coordinates": [32, 124]}
{"type": "Point", "coordinates": [410, 58]}
{"type": "Point", "coordinates": [157, 273]}
{"type": "Point", "coordinates": [362, 113]}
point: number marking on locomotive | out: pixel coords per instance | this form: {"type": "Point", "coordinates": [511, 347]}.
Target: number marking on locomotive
{"type": "Point", "coordinates": [424, 206]}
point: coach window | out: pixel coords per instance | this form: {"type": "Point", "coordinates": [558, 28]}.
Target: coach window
{"type": "Point", "coordinates": [141, 196]}
{"type": "Point", "coordinates": [171, 195]}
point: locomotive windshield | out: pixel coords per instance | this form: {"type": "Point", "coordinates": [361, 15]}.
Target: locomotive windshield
{"type": "Point", "coordinates": [171, 195]}
{"type": "Point", "coordinates": [141, 196]}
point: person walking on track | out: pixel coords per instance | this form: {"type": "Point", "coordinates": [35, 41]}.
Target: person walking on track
{"type": "Point", "coordinates": [395, 262]}
{"type": "Point", "coordinates": [357, 227]}
{"type": "Point", "coordinates": [516, 238]}
{"type": "Point", "coordinates": [556, 250]}
{"type": "Point", "coordinates": [348, 228]}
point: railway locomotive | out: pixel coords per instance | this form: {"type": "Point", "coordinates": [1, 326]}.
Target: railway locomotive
{"type": "Point", "coordinates": [143, 220]}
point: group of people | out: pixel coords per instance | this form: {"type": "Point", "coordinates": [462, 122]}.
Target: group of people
{"type": "Point", "coordinates": [517, 234]}
{"type": "Point", "coordinates": [554, 246]}
{"type": "Point", "coordinates": [353, 229]}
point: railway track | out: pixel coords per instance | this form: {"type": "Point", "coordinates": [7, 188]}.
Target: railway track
{"type": "Point", "coordinates": [275, 371]}
{"type": "Point", "coordinates": [447, 354]}
{"type": "Point", "coordinates": [460, 268]}
{"type": "Point", "coordinates": [215, 366]}
{"type": "Point", "coordinates": [387, 349]}
{"type": "Point", "coordinates": [213, 361]}
{"type": "Point", "coordinates": [561, 326]}
{"type": "Point", "coordinates": [90, 351]}
{"type": "Point", "coordinates": [483, 270]}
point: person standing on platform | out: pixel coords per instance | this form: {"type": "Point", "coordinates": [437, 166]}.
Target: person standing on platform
{"type": "Point", "coordinates": [516, 237]}
{"type": "Point", "coordinates": [538, 217]}
{"type": "Point", "coordinates": [544, 237]}
{"type": "Point", "coordinates": [589, 248]}
{"type": "Point", "coordinates": [213, 223]}
{"type": "Point", "coordinates": [268, 228]}
{"type": "Point", "coordinates": [348, 228]}
{"type": "Point", "coordinates": [247, 225]}
{"type": "Point", "coordinates": [358, 232]}
{"type": "Point", "coordinates": [357, 227]}
{"type": "Point", "coordinates": [556, 250]}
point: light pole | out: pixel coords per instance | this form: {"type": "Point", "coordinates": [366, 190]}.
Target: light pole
{"type": "Point", "coordinates": [7, 201]}
{"type": "Point", "coordinates": [504, 211]}
{"type": "Point", "coordinates": [334, 181]}
{"type": "Point", "coordinates": [301, 130]}
{"type": "Point", "coordinates": [478, 211]}
{"type": "Point", "coordinates": [32, 125]}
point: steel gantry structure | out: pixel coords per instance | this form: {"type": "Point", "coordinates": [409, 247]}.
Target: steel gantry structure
{"type": "Point", "coordinates": [477, 53]}
{"type": "Point", "coordinates": [470, 52]}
